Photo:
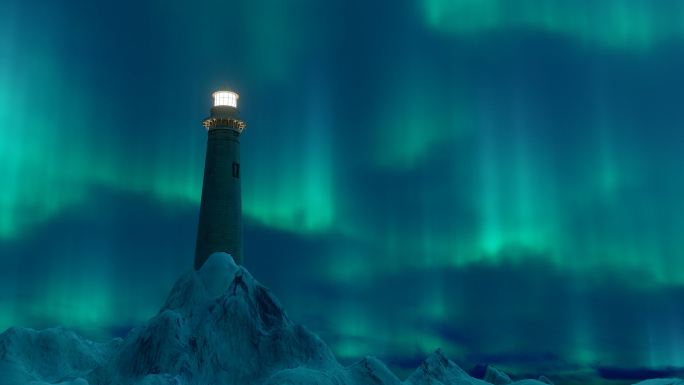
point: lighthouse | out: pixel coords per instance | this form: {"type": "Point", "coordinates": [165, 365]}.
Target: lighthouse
{"type": "Point", "coordinates": [220, 219]}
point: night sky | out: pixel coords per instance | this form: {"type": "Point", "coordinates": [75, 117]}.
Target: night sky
{"type": "Point", "coordinates": [500, 178]}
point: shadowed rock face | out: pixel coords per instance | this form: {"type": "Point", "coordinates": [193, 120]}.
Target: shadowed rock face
{"type": "Point", "coordinates": [496, 377]}
{"type": "Point", "coordinates": [242, 336]}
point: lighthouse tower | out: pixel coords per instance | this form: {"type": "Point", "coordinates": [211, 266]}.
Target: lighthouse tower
{"type": "Point", "coordinates": [220, 220]}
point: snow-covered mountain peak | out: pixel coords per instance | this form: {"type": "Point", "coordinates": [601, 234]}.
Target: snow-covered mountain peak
{"type": "Point", "coordinates": [243, 334]}
{"type": "Point", "coordinates": [218, 325]}
{"type": "Point", "coordinates": [438, 368]}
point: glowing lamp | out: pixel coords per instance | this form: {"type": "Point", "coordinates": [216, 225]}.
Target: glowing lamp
{"type": "Point", "coordinates": [225, 98]}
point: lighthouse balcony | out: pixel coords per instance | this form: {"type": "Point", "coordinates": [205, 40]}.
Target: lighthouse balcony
{"type": "Point", "coordinates": [224, 122]}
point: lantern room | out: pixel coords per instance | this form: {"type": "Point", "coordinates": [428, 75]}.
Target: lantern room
{"type": "Point", "coordinates": [225, 98]}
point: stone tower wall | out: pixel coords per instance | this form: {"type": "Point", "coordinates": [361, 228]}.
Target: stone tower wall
{"type": "Point", "coordinates": [220, 222]}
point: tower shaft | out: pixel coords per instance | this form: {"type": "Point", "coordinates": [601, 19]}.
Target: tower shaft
{"type": "Point", "coordinates": [220, 220]}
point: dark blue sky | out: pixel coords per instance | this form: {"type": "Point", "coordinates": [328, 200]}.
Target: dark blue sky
{"type": "Point", "coordinates": [502, 179]}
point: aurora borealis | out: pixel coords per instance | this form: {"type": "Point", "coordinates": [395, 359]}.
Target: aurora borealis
{"type": "Point", "coordinates": [500, 178]}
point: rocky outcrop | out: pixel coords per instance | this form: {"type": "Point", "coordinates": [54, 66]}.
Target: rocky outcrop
{"type": "Point", "coordinates": [241, 336]}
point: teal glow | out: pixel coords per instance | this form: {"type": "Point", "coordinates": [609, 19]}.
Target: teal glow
{"type": "Point", "coordinates": [293, 187]}
{"type": "Point", "coordinates": [634, 25]}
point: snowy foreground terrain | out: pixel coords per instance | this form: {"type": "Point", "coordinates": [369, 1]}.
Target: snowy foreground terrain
{"type": "Point", "coordinates": [218, 326]}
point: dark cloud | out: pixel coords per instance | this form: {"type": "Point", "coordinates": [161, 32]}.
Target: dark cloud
{"type": "Point", "coordinates": [405, 362]}
{"type": "Point", "coordinates": [521, 359]}
{"type": "Point", "coordinates": [448, 332]}
{"type": "Point", "coordinates": [639, 373]}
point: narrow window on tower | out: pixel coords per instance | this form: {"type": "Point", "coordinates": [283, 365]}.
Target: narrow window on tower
{"type": "Point", "coordinates": [236, 170]}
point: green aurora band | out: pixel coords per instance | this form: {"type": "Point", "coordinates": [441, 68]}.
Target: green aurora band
{"type": "Point", "coordinates": [439, 138]}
